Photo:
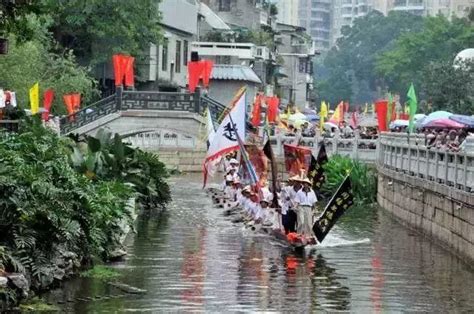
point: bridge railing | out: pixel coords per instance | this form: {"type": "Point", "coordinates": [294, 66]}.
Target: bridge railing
{"type": "Point", "coordinates": [356, 148]}
{"type": "Point", "coordinates": [132, 100]}
{"type": "Point", "coordinates": [411, 156]}
{"type": "Point", "coordinates": [89, 114]}
{"type": "Point", "coordinates": [151, 100]}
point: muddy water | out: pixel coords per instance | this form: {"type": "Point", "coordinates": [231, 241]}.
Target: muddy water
{"type": "Point", "coordinates": [192, 259]}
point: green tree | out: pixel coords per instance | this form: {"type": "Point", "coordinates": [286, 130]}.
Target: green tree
{"type": "Point", "coordinates": [450, 87]}
{"type": "Point", "coordinates": [95, 29]}
{"type": "Point", "coordinates": [33, 60]}
{"type": "Point", "coordinates": [439, 41]}
{"type": "Point", "coordinates": [353, 58]}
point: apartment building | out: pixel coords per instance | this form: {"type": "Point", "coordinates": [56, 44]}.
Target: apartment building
{"type": "Point", "coordinates": [449, 8]}
{"type": "Point", "coordinates": [316, 17]}
{"type": "Point", "coordinates": [288, 11]}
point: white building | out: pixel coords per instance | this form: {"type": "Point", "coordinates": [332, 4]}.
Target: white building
{"type": "Point", "coordinates": [288, 11]}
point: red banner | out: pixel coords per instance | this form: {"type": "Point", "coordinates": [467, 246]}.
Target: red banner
{"type": "Point", "coordinates": [48, 97]}
{"type": "Point", "coordinates": [296, 159]}
{"type": "Point", "coordinates": [123, 69]}
{"type": "Point", "coordinates": [272, 111]}
{"type": "Point", "coordinates": [118, 61]}
{"type": "Point", "coordinates": [198, 70]}
{"type": "Point", "coordinates": [129, 72]}
{"type": "Point", "coordinates": [381, 106]}
{"type": "Point", "coordinates": [194, 73]}
{"type": "Point", "coordinates": [206, 72]}
{"type": "Point", "coordinates": [257, 110]}
{"type": "Point", "coordinates": [76, 101]}
{"type": "Point", "coordinates": [259, 161]}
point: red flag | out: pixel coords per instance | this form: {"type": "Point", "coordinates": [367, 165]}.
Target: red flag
{"type": "Point", "coordinates": [346, 107]}
{"type": "Point", "coordinates": [296, 159]}
{"type": "Point", "coordinates": [76, 101]}
{"type": "Point", "coordinates": [272, 111]}
{"type": "Point", "coordinates": [257, 110]}
{"type": "Point", "coordinates": [48, 97]}
{"type": "Point", "coordinates": [195, 68]}
{"type": "Point", "coordinates": [381, 106]}
{"type": "Point", "coordinates": [206, 71]}
{"type": "Point", "coordinates": [129, 71]}
{"type": "Point", "coordinates": [354, 120]}
{"type": "Point", "coordinates": [118, 61]}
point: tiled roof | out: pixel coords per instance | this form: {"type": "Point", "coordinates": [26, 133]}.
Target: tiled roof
{"type": "Point", "coordinates": [234, 72]}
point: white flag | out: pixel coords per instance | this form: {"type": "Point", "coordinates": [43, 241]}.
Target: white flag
{"type": "Point", "coordinates": [210, 131]}
{"type": "Point", "coordinates": [225, 138]}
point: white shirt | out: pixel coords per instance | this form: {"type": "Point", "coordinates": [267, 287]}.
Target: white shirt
{"type": "Point", "coordinates": [306, 199]}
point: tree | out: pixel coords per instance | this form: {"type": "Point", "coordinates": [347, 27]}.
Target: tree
{"type": "Point", "coordinates": [439, 41]}
{"type": "Point", "coordinates": [33, 61]}
{"type": "Point", "coordinates": [354, 56]}
{"type": "Point", "coordinates": [450, 87]}
{"type": "Point", "coordinates": [95, 29]}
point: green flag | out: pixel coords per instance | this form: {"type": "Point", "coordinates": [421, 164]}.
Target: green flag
{"type": "Point", "coordinates": [412, 105]}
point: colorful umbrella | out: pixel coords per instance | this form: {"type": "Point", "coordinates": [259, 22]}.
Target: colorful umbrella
{"type": "Point", "coordinates": [444, 123]}
{"type": "Point", "coordinates": [296, 117]}
{"type": "Point", "coordinates": [463, 119]}
{"type": "Point", "coordinates": [398, 123]}
{"type": "Point", "coordinates": [330, 125]}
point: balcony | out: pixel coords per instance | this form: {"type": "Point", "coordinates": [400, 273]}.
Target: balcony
{"type": "Point", "coordinates": [243, 51]}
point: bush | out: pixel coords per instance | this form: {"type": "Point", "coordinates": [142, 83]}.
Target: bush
{"type": "Point", "coordinates": [363, 178]}
{"type": "Point", "coordinates": [49, 205]}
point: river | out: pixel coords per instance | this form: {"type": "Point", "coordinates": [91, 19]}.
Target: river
{"type": "Point", "coordinates": [192, 259]}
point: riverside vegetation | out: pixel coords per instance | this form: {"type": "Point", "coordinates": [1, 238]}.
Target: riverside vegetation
{"type": "Point", "coordinates": [64, 201]}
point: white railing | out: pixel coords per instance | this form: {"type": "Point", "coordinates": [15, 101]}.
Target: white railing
{"type": "Point", "coordinates": [161, 139]}
{"type": "Point", "coordinates": [411, 156]}
{"type": "Point", "coordinates": [356, 148]}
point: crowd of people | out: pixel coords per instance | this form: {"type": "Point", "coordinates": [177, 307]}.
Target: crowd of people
{"type": "Point", "coordinates": [445, 139]}
{"type": "Point", "coordinates": [294, 203]}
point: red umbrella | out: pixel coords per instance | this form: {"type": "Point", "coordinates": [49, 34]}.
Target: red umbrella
{"type": "Point", "coordinates": [444, 123]}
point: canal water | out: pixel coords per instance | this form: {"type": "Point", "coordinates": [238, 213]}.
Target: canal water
{"type": "Point", "coordinates": [192, 259]}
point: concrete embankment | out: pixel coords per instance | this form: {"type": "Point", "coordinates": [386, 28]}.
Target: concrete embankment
{"type": "Point", "coordinates": [441, 212]}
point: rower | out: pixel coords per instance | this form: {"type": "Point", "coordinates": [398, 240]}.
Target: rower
{"type": "Point", "coordinates": [304, 201]}
{"type": "Point", "coordinates": [234, 164]}
{"type": "Point", "coordinates": [289, 193]}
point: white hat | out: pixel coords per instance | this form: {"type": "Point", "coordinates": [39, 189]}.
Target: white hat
{"type": "Point", "coordinates": [233, 161]}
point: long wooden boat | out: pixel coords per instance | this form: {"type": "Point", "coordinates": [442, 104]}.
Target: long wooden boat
{"type": "Point", "coordinates": [220, 200]}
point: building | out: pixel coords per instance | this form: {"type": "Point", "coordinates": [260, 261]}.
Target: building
{"type": "Point", "coordinates": [344, 12]}
{"type": "Point", "coordinates": [296, 50]}
{"type": "Point", "coordinates": [449, 8]}
{"type": "Point", "coordinates": [245, 54]}
{"type": "Point", "coordinates": [227, 80]}
{"type": "Point", "coordinates": [288, 11]}
{"type": "Point", "coordinates": [243, 14]}
{"type": "Point", "coordinates": [324, 19]}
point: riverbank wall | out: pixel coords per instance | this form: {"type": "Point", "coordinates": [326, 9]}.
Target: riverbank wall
{"type": "Point", "coordinates": [429, 191]}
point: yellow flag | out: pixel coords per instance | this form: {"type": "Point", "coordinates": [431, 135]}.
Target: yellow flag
{"type": "Point", "coordinates": [34, 98]}
{"type": "Point", "coordinates": [322, 115]}
{"type": "Point", "coordinates": [373, 108]}
{"type": "Point", "coordinates": [338, 115]}
{"type": "Point", "coordinates": [324, 110]}
{"type": "Point", "coordinates": [366, 109]}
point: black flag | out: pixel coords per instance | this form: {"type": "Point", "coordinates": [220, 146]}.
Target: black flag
{"type": "Point", "coordinates": [337, 206]}
{"type": "Point", "coordinates": [316, 171]}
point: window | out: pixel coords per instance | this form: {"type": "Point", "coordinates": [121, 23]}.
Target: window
{"type": "Point", "coordinates": [178, 57]}
{"type": "Point", "coordinates": [164, 56]}
{"type": "Point", "coordinates": [302, 65]}
{"type": "Point", "coordinates": [185, 52]}
{"type": "Point", "coordinates": [224, 5]}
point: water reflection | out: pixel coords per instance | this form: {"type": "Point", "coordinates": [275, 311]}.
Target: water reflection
{"type": "Point", "coordinates": [192, 259]}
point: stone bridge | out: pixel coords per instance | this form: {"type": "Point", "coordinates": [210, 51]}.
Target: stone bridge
{"type": "Point", "coordinates": [151, 120]}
